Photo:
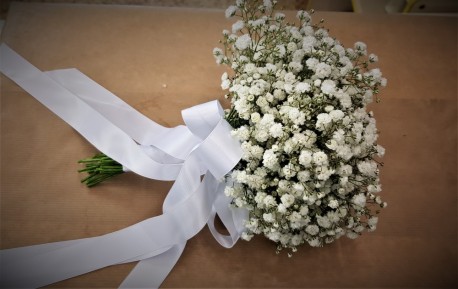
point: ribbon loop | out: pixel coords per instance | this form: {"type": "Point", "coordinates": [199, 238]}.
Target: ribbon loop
{"type": "Point", "coordinates": [203, 118]}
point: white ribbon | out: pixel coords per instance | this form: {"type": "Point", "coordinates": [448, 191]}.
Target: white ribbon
{"type": "Point", "coordinates": [182, 153]}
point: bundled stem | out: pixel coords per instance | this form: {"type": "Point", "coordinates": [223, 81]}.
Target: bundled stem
{"type": "Point", "coordinates": [99, 168]}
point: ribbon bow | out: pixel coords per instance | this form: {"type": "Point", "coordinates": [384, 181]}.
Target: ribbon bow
{"type": "Point", "coordinates": [183, 153]}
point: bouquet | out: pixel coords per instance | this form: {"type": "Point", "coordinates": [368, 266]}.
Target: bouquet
{"type": "Point", "coordinates": [294, 158]}
{"type": "Point", "coordinates": [309, 171]}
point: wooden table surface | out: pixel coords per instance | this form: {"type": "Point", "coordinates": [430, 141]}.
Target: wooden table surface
{"type": "Point", "coordinates": [133, 51]}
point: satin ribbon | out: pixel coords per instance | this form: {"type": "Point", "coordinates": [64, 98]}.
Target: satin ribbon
{"type": "Point", "coordinates": [183, 153]}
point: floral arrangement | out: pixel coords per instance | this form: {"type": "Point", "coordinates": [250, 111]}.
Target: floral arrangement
{"type": "Point", "coordinates": [308, 172]}
{"type": "Point", "coordinates": [300, 168]}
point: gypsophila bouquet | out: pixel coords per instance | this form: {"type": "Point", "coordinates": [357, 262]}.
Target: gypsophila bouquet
{"type": "Point", "coordinates": [298, 107]}
{"type": "Point", "coordinates": [300, 166]}
{"type": "Point", "coordinates": [308, 172]}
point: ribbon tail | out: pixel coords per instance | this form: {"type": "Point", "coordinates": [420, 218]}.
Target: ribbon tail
{"type": "Point", "coordinates": [176, 142]}
{"type": "Point", "coordinates": [98, 130]}
{"type": "Point", "coordinates": [151, 272]}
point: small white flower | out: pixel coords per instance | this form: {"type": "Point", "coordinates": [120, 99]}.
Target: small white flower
{"type": "Point", "coordinates": [312, 229]}
{"type": "Point", "coordinates": [336, 115]}
{"type": "Point", "coordinates": [269, 201]}
{"type": "Point", "coordinates": [323, 221]}
{"type": "Point", "coordinates": [320, 158]}
{"type": "Point", "coordinates": [296, 240]}
{"type": "Point", "coordinates": [237, 26]}
{"type": "Point", "coordinates": [373, 58]}
{"type": "Point", "coordinates": [279, 16]}
{"type": "Point", "coordinates": [289, 77]}
{"type": "Point", "coordinates": [303, 176]}
{"type": "Point", "coordinates": [305, 158]}
{"type": "Point", "coordinates": [230, 11]}
{"type": "Point", "coordinates": [225, 84]}
{"type": "Point", "coordinates": [323, 121]}
{"type": "Point", "coordinates": [374, 188]}
{"type": "Point", "coordinates": [328, 87]}
{"type": "Point", "coordinates": [312, 63]}
{"type": "Point", "coordinates": [243, 42]}
{"type": "Point", "coordinates": [229, 191]}
{"type": "Point", "coordinates": [315, 242]}
{"type": "Point", "coordinates": [287, 200]}
{"type": "Point", "coordinates": [304, 210]}
{"type": "Point", "coordinates": [359, 200]}
{"type": "Point", "coordinates": [249, 68]}
{"type": "Point", "coordinates": [247, 237]}
{"type": "Point", "coordinates": [372, 221]}
{"type": "Point", "coordinates": [361, 47]}
{"type": "Point", "coordinates": [291, 47]}
{"type": "Point", "coordinates": [333, 204]}
{"type": "Point", "coordinates": [261, 135]}
{"type": "Point", "coordinates": [322, 70]}
{"type": "Point", "coordinates": [281, 50]}
{"type": "Point", "coordinates": [281, 208]}
{"type": "Point", "coordinates": [267, 4]}
{"type": "Point", "coordinates": [308, 43]}
{"type": "Point", "coordinates": [270, 160]}
{"type": "Point", "coordinates": [295, 67]}
{"type": "Point", "coordinates": [242, 133]}
{"type": "Point", "coordinates": [268, 217]}
{"type": "Point", "coordinates": [255, 117]}
{"type": "Point", "coordinates": [368, 168]}
{"type": "Point", "coordinates": [302, 87]}
{"type": "Point", "coordinates": [276, 130]}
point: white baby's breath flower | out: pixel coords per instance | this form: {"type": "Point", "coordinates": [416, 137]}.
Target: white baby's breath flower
{"type": "Point", "coordinates": [281, 208]}
{"type": "Point", "coordinates": [333, 204]}
{"type": "Point", "coordinates": [372, 221]}
{"type": "Point", "coordinates": [323, 221]}
{"type": "Point", "coordinates": [328, 87]}
{"type": "Point", "coordinates": [237, 26]}
{"type": "Point", "coordinates": [305, 158]}
{"type": "Point", "coordinates": [281, 50]}
{"type": "Point", "coordinates": [243, 42]}
{"type": "Point", "coordinates": [368, 168]}
{"type": "Point", "coordinates": [270, 160]}
{"type": "Point", "coordinates": [230, 11]}
{"type": "Point", "coordinates": [287, 200]}
{"type": "Point", "coordinates": [359, 200]}
{"type": "Point", "coordinates": [312, 229]}
{"type": "Point", "coordinates": [267, 4]}
{"type": "Point", "coordinates": [308, 43]}
{"type": "Point", "coordinates": [320, 158]}
{"type": "Point", "coordinates": [255, 117]}
{"type": "Point", "coordinates": [247, 237]}
{"type": "Point", "coordinates": [276, 130]}
{"type": "Point", "coordinates": [268, 217]}
{"type": "Point", "coordinates": [225, 84]}
{"type": "Point", "coordinates": [323, 121]}
{"type": "Point", "coordinates": [302, 87]}
{"type": "Point", "coordinates": [303, 176]}
{"type": "Point", "coordinates": [322, 70]}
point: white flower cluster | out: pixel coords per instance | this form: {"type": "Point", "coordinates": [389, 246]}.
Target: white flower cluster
{"type": "Point", "coordinates": [308, 173]}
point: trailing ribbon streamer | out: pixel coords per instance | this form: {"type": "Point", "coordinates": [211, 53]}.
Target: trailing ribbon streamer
{"type": "Point", "coordinates": [183, 154]}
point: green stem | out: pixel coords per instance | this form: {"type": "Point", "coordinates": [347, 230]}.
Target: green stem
{"type": "Point", "coordinates": [99, 168]}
